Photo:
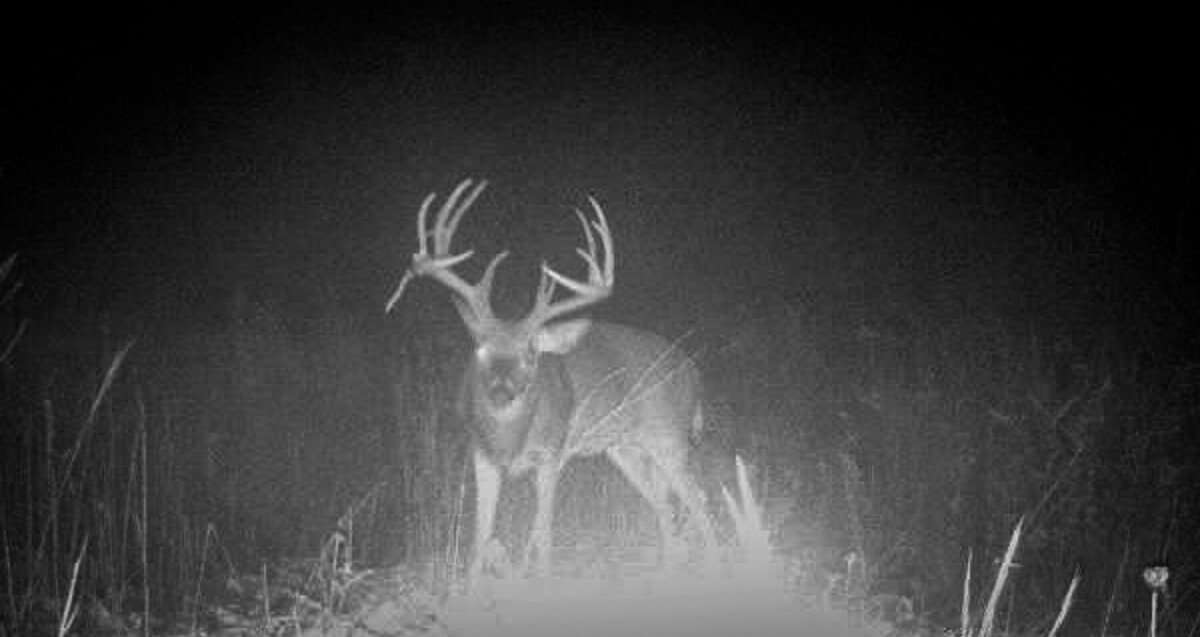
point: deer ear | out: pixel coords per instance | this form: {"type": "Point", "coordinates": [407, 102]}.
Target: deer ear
{"type": "Point", "coordinates": [561, 337]}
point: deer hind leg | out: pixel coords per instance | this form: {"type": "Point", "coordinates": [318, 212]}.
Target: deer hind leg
{"type": "Point", "coordinates": [674, 467]}
{"type": "Point", "coordinates": [647, 477]}
{"type": "Point", "coordinates": [671, 458]}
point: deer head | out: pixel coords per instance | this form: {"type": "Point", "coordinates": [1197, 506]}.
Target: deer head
{"type": "Point", "coordinates": [507, 352]}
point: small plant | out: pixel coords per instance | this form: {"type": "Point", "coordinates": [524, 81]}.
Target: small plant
{"type": "Point", "coordinates": [1155, 576]}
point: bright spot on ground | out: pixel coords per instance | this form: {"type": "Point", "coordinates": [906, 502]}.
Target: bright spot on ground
{"type": "Point", "coordinates": [650, 605]}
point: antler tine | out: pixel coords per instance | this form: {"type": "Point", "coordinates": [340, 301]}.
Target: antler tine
{"type": "Point", "coordinates": [485, 282]}
{"type": "Point", "coordinates": [452, 212]}
{"type": "Point", "coordinates": [545, 292]}
{"type": "Point", "coordinates": [599, 282]}
{"type": "Point", "coordinates": [422, 232]}
{"type": "Point", "coordinates": [606, 238]}
{"type": "Point", "coordinates": [395, 298]}
{"type": "Point", "coordinates": [593, 268]}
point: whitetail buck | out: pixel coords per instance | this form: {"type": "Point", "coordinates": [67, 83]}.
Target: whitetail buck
{"type": "Point", "coordinates": [542, 392]}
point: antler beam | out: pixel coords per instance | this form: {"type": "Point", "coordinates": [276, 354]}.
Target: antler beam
{"type": "Point", "coordinates": [439, 263]}
{"type": "Point", "coordinates": [599, 284]}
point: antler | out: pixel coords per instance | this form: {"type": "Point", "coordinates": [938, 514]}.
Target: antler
{"type": "Point", "coordinates": [437, 265]}
{"type": "Point", "coordinates": [599, 283]}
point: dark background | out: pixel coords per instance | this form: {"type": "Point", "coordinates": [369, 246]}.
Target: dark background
{"type": "Point", "coordinates": [154, 162]}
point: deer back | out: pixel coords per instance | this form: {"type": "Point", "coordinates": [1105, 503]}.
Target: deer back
{"type": "Point", "coordinates": [631, 387]}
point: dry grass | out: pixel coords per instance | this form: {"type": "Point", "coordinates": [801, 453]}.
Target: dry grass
{"type": "Point", "coordinates": [100, 532]}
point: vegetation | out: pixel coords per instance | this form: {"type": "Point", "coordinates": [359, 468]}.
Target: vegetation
{"type": "Point", "coordinates": [147, 483]}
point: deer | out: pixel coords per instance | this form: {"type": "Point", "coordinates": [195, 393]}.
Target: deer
{"type": "Point", "coordinates": [544, 389]}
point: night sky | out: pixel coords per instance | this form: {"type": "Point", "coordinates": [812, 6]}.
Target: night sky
{"type": "Point", "coordinates": [154, 163]}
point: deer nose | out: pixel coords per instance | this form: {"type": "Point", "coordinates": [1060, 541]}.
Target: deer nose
{"type": "Point", "coordinates": [502, 393]}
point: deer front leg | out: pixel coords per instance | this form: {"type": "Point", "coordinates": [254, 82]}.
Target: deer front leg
{"type": "Point", "coordinates": [487, 492]}
{"type": "Point", "coordinates": [537, 553]}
